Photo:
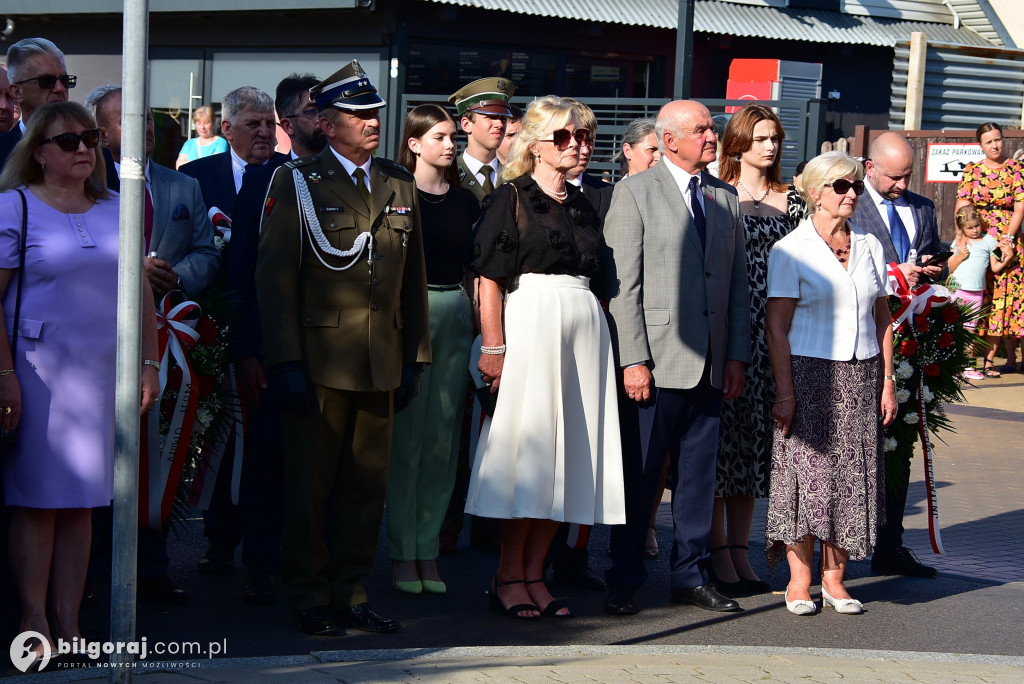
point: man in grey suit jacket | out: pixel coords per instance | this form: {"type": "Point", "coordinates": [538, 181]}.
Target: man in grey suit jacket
{"type": "Point", "coordinates": [679, 313]}
{"type": "Point", "coordinates": [181, 232]}
{"type": "Point", "coordinates": [888, 172]}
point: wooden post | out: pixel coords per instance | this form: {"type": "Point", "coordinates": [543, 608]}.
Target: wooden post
{"type": "Point", "coordinates": [861, 137]}
{"type": "Point", "coordinates": [915, 81]}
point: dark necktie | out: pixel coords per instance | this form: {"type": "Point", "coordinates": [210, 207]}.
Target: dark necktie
{"type": "Point", "coordinates": [364, 192]}
{"type": "Point", "coordinates": [699, 221]}
{"type": "Point", "coordinates": [898, 231]}
{"type": "Point", "coordinates": [149, 220]}
{"type": "Point", "coordinates": [487, 185]}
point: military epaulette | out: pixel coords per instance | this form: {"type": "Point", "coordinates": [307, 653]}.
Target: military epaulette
{"type": "Point", "coordinates": [395, 169]}
{"type": "Point", "coordinates": [301, 161]}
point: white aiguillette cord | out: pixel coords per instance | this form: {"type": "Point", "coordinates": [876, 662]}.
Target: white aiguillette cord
{"type": "Point", "coordinates": [317, 239]}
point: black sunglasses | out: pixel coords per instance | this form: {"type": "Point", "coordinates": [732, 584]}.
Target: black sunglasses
{"type": "Point", "coordinates": [562, 136]}
{"type": "Point", "coordinates": [842, 186]}
{"type": "Point", "coordinates": [69, 141]}
{"type": "Point", "coordinates": [48, 81]}
{"type": "Point", "coordinates": [310, 113]}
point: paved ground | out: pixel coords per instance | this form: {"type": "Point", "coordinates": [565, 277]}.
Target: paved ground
{"type": "Point", "coordinates": [967, 625]}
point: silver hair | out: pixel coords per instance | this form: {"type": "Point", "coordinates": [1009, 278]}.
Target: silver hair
{"type": "Point", "coordinates": [825, 168]}
{"type": "Point", "coordinates": [94, 99]}
{"type": "Point", "coordinates": [246, 97]}
{"type": "Point", "coordinates": [636, 132]}
{"type": "Point", "coordinates": [22, 51]}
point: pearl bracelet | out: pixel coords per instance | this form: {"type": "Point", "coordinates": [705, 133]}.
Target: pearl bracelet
{"type": "Point", "coordinates": [493, 351]}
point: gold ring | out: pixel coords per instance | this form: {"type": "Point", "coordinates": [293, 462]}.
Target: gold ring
{"type": "Point", "coordinates": [7, 409]}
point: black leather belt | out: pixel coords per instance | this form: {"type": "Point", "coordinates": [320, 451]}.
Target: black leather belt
{"type": "Point", "coordinates": [444, 288]}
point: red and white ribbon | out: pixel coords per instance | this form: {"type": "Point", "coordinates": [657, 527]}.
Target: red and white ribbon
{"type": "Point", "coordinates": [177, 318]}
{"type": "Point", "coordinates": [913, 301]}
{"type": "Point", "coordinates": [217, 444]}
{"type": "Point", "coordinates": [929, 472]}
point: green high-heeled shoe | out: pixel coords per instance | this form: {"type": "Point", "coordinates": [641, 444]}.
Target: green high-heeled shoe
{"type": "Point", "coordinates": [410, 587]}
{"type": "Point", "coordinates": [434, 587]}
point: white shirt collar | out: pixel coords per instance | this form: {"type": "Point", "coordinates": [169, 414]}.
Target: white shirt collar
{"type": "Point", "coordinates": [577, 181]}
{"type": "Point", "coordinates": [350, 166]}
{"type": "Point", "coordinates": [474, 165]}
{"type": "Point", "coordinates": [682, 178]}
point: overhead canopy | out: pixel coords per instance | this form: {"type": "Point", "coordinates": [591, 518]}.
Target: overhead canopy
{"type": "Point", "coordinates": [731, 19]}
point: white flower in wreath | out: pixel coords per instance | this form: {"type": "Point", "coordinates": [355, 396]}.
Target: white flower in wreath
{"type": "Point", "coordinates": [902, 395]}
{"type": "Point", "coordinates": [890, 444]}
{"type": "Point", "coordinates": [219, 243]}
{"type": "Point", "coordinates": [204, 418]}
{"type": "Point", "coordinates": [928, 395]}
{"type": "Point", "coordinates": [904, 370]}
{"type": "Point", "coordinates": [911, 418]}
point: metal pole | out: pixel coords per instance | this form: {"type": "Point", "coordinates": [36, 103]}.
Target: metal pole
{"type": "Point", "coordinates": [129, 342]}
{"type": "Point", "coordinates": [684, 52]}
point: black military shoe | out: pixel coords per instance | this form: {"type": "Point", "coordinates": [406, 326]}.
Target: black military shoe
{"type": "Point", "coordinates": [900, 561]}
{"type": "Point", "coordinates": [317, 621]}
{"type": "Point", "coordinates": [706, 597]}
{"type": "Point", "coordinates": [363, 617]}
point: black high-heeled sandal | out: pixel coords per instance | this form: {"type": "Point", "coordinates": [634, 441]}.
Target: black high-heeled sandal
{"type": "Point", "coordinates": [554, 605]}
{"type": "Point", "coordinates": [512, 611]}
{"type": "Point", "coordinates": [751, 587]}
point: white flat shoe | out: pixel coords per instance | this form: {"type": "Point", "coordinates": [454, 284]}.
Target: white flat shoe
{"type": "Point", "coordinates": [800, 607]}
{"type": "Point", "coordinates": [847, 606]}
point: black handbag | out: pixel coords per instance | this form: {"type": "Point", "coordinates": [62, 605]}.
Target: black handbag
{"type": "Point", "coordinates": [8, 437]}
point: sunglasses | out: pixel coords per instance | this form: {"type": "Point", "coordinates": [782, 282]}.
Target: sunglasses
{"type": "Point", "coordinates": [48, 81]}
{"type": "Point", "coordinates": [842, 186]}
{"type": "Point", "coordinates": [309, 113]}
{"type": "Point", "coordinates": [562, 136]}
{"type": "Point", "coordinates": [69, 142]}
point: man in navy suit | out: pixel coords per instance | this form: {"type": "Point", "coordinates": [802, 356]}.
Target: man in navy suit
{"type": "Point", "coordinates": [260, 497]}
{"type": "Point", "coordinates": [901, 220]}
{"type": "Point", "coordinates": [7, 105]}
{"type": "Point", "coordinates": [36, 70]}
{"type": "Point", "coordinates": [251, 131]}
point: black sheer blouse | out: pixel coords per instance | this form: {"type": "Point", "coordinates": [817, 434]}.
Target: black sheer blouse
{"type": "Point", "coordinates": [550, 238]}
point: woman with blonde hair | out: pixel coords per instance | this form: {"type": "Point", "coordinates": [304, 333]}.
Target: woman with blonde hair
{"type": "Point", "coordinates": [59, 279]}
{"type": "Point", "coordinates": [750, 160]}
{"type": "Point", "coordinates": [206, 143]}
{"type": "Point", "coordinates": [551, 451]}
{"type": "Point", "coordinates": [830, 343]}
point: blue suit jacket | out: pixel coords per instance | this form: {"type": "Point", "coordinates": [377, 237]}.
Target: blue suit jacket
{"type": "Point", "coordinates": [926, 239]}
{"type": "Point", "coordinates": [217, 181]}
{"type": "Point", "coordinates": [7, 142]}
{"type": "Point", "coordinates": [182, 232]}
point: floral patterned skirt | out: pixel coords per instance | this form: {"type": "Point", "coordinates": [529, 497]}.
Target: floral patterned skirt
{"type": "Point", "coordinates": [827, 477]}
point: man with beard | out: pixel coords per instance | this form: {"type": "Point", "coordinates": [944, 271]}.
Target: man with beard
{"type": "Point", "coordinates": [902, 221]}
{"type": "Point", "coordinates": [342, 288]}
{"type": "Point", "coordinates": [260, 498]}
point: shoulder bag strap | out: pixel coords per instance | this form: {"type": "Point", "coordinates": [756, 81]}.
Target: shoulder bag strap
{"type": "Point", "coordinates": [21, 275]}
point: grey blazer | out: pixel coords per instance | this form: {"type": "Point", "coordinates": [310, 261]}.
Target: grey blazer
{"type": "Point", "coordinates": [182, 232]}
{"type": "Point", "coordinates": [926, 237]}
{"type": "Point", "coordinates": [672, 306]}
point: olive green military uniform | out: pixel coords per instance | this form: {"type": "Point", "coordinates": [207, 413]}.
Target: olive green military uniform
{"type": "Point", "coordinates": [472, 183]}
{"type": "Point", "coordinates": [352, 330]}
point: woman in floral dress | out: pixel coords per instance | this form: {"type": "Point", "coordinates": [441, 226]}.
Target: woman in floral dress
{"type": "Point", "coordinates": [995, 185]}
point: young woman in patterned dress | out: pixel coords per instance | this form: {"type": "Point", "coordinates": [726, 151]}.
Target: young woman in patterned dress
{"type": "Point", "coordinates": [750, 160]}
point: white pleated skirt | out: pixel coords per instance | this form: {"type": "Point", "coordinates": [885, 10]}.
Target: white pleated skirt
{"type": "Point", "coordinates": [552, 448]}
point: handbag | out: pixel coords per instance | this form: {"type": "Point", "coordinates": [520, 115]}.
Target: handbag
{"type": "Point", "coordinates": [8, 437]}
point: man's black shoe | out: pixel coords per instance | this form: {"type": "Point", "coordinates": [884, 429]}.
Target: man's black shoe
{"type": "Point", "coordinates": [900, 561]}
{"type": "Point", "coordinates": [363, 617]}
{"type": "Point", "coordinates": [216, 562]}
{"type": "Point", "coordinates": [317, 621]}
{"type": "Point", "coordinates": [705, 596]}
{"type": "Point", "coordinates": [621, 601]}
{"type": "Point", "coordinates": [580, 575]}
{"type": "Point", "coordinates": [259, 588]}
{"type": "Point", "coordinates": [161, 589]}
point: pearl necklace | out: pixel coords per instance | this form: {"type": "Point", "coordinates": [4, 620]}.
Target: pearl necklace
{"type": "Point", "coordinates": [560, 196]}
{"type": "Point", "coordinates": [757, 202]}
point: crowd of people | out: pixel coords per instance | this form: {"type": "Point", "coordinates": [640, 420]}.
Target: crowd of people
{"type": "Point", "coordinates": [726, 337]}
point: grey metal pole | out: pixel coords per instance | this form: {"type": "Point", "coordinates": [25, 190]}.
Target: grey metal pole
{"type": "Point", "coordinates": [129, 342]}
{"type": "Point", "coordinates": [684, 52]}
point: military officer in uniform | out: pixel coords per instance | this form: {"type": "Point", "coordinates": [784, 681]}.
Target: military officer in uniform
{"type": "Point", "coordinates": [483, 114]}
{"type": "Point", "coordinates": [342, 292]}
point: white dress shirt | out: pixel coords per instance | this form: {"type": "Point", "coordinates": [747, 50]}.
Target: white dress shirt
{"type": "Point", "coordinates": [835, 308]}
{"type": "Point", "coordinates": [902, 208]}
{"type": "Point", "coordinates": [474, 165]}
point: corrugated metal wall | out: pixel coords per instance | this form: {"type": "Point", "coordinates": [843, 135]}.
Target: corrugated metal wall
{"type": "Point", "coordinates": [963, 86]}
{"type": "Point", "coordinates": [913, 10]}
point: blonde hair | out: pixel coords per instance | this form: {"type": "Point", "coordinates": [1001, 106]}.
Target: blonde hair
{"type": "Point", "coordinates": [966, 215]}
{"type": "Point", "coordinates": [23, 168]}
{"type": "Point", "coordinates": [204, 113]}
{"type": "Point", "coordinates": [824, 169]}
{"type": "Point", "coordinates": [543, 113]}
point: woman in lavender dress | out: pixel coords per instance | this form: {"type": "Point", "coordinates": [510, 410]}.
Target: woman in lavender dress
{"type": "Point", "coordinates": [58, 390]}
